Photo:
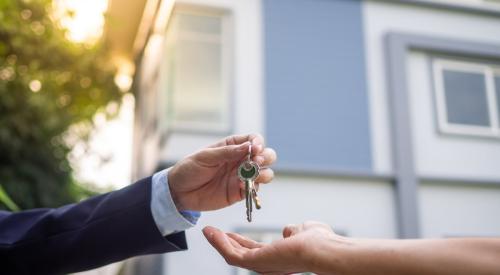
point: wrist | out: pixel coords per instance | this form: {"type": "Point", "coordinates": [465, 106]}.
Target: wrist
{"type": "Point", "coordinates": [310, 257]}
{"type": "Point", "coordinates": [177, 201]}
{"type": "Point", "coordinates": [174, 194]}
{"type": "Point", "coordinates": [331, 256]}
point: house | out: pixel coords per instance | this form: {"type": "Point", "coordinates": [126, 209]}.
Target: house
{"type": "Point", "coordinates": [385, 114]}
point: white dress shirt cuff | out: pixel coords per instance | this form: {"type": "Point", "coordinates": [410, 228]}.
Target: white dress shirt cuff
{"type": "Point", "coordinates": [165, 214]}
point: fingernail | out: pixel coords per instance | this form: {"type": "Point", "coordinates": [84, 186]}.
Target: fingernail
{"type": "Point", "coordinates": [259, 160]}
{"type": "Point", "coordinates": [258, 147]}
{"type": "Point", "coordinates": [244, 146]}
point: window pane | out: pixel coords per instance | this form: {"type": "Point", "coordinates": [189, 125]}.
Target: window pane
{"type": "Point", "coordinates": [466, 100]}
{"type": "Point", "coordinates": [497, 89]}
{"type": "Point", "coordinates": [198, 96]}
{"type": "Point", "coordinates": [199, 23]}
{"type": "Point", "coordinates": [198, 93]}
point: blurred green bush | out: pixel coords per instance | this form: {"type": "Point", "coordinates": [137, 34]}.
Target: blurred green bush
{"type": "Point", "coordinates": [48, 85]}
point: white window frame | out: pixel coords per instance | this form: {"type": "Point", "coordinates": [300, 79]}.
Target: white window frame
{"type": "Point", "coordinates": [482, 4]}
{"type": "Point", "coordinates": [226, 73]}
{"type": "Point", "coordinates": [489, 71]}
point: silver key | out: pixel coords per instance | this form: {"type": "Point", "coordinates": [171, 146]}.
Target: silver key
{"type": "Point", "coordinates": [248, 171]}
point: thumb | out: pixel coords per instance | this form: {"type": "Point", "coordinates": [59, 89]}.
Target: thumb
{"type": "Point", "coordinates": [290, 230]}
{"type": "Point", "coordinates": [215, 156]}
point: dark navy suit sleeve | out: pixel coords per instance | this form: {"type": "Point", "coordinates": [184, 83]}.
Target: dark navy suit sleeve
{"type": "Point", "coordinates": [95, 232]}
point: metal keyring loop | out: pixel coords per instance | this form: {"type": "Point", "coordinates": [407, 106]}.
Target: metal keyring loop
{"type": "Point", "coordinates": [249, 157]}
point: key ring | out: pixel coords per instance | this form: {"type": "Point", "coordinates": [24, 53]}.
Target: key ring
{"type": "Point", "coordinates": [248, 170]}
{"type": "Point", "coordinates": [249, 157]}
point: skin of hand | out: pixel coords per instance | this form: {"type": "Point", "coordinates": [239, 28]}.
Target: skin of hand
{"type": "Point", "coordinates": [294, 253]}
{"type": "Point", "coordinates": [314, 247]}
{"type": "Point", "coordinates": [208, 180]}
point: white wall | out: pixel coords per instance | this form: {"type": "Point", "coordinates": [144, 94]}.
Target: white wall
{"type": "Point", "coordinates": [359, 208]}
{"type": "Point", "coordinates": [146, 153]}
{"type": "Point", "coordinates": [444, 154]}
{"type": "Point", "coordinates": [381, 17]}
{"type": "Point", "coordinates": [459, 211]}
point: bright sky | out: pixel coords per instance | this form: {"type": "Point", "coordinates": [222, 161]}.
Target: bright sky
{"type": "Point", "coordinates": [112, 139]}
{"type": "Point", "coordinates": [87, 22]}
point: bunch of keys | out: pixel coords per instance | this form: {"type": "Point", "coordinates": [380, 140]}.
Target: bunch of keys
{"type": "Point", "coordinates": [248, 171]}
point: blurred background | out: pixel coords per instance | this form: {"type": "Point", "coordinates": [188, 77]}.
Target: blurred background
{"type": "Point", "coordinates": [385, 114]}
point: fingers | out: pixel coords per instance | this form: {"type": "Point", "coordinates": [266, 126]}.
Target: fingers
{"type": "Point", "coordinates": [266, 158]}
{"type": "Point", "coordinates": [257, 149]}
{"type": "Point", "coordinates": [218, 155]}
{"type": "Point", "coordinates": [263, 156]}
{"type": "Point", "coordinates": [243, 241]}
{"type": "Point", "coordinates": [222, 244]}
{"type": "Point", "coordinates": [266, 175]}
{"type": "Point", "coordinates": [293, 229]}
{"type": "Point", "coordinates": [218, 240]}
{"type": "Point", "coordinates": [290, 230]}
{"type": "Point", "coordinates": [257, 141]}
{"type": "Point", "coordinates": [235, 244]}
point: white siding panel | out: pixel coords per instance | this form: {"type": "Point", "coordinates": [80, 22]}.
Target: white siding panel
{"type": "Point", "coordinates": [458, 211]}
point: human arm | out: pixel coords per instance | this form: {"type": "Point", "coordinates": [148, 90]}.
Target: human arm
{"type": "Point", "coordinates": [131, 221]}
{"type": "Point", "coordinates": [314, 247]}
{"type": "Point", "coordinates": [100, 230]}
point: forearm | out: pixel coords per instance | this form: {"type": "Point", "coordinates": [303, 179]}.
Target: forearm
{"type": "Point", "coordinates": [439, 256]}
{"type": "Point", "coordinates": [103, 229]}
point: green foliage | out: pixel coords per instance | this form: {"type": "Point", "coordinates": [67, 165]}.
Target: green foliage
{"type": "Point", "coordinates": [47, 85]}
{"type": "Point", "coordinates": [7, 201]}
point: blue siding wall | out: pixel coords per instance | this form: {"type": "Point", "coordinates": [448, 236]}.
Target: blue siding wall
{"type": "Point", "coordinates": [316, 98]}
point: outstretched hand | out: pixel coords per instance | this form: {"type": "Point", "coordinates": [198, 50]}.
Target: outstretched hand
{"type": "Point", "coordinates": [314, 247]}
{"type": "Point", "coordinates": [208, 180]}
{"type": "Point", "coordinates": [292, 254]}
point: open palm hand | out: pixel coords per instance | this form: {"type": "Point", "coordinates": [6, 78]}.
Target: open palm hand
{"type": "Point", "coordinates": [290, 255]}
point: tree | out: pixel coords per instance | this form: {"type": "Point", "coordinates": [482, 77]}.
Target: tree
{"type": "Point", "coordinates": [50, 89]}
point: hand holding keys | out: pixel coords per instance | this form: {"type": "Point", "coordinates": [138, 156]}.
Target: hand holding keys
{"type": "Point", "coordinates": [248, 171]}
{"type": "Point", "coordinates": [208, 179]}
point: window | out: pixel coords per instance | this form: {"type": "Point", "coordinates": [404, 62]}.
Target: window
{"type": "Point", "coordinates": [197, 54]}
{"type": "Point", "coordinates": [467, 97]}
